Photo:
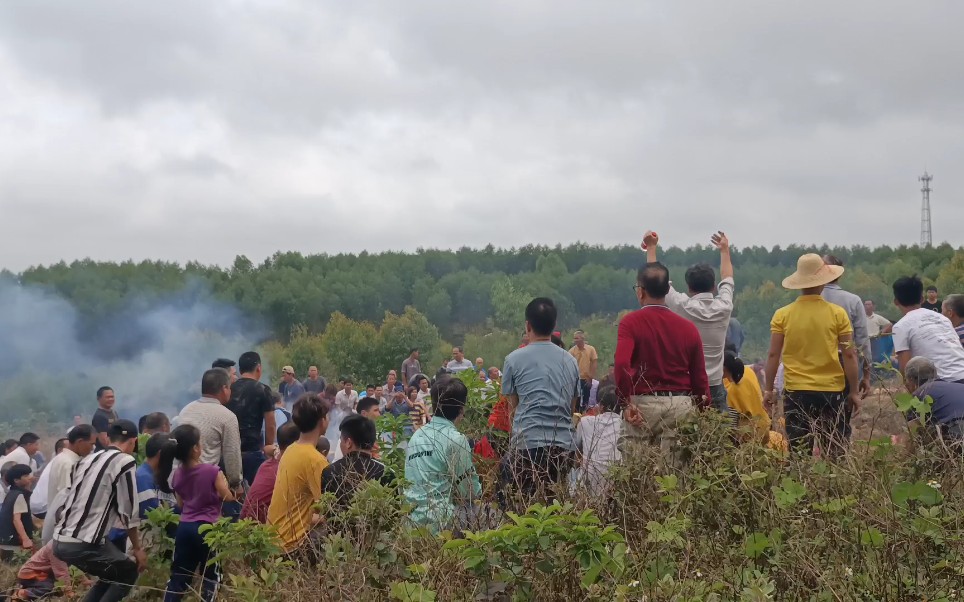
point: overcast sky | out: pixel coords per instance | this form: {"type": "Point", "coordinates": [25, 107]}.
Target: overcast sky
{"type": "Point", "coordinates": [187, 130]}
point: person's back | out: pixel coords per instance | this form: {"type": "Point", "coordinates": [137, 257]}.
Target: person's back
{"type": "Point", "coordinates": [439, 473]}
{"type": "Point", "coordinates": [811, 329]}
{"type": "Point", "coordinates": [734, 335]}
{"type": "Point", "coordinates": [297, 488]}
{"type": "Point", "coordinates": [546, 380]}
{"type": "Point", "coordinates": [351, 471]}
{"type": "Point", "coordinates": [250, 401]}
{"type": "Point", "coordinates": [219, 431]}
{"type": "Point", "coordinates": [597, 437]}
{"type": "Point", "coordinates": [929, 334]}
{"type": "Point", "coordinates": [661, 351]}
{"type": "Point", "coordinates": [947, 410]}
{"type": "Point", "coordinates": [195, 486]}
{"type": "Point", "coordinates": [258, 498]}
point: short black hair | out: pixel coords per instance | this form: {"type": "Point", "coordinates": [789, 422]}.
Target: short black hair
{"type": "Point", "coordinates": [541, 315]}
{"type": "Point", "coordinates": [932, 288]}
{"type": "Point", "coordinates": [60, 444]}
{"type": "Point", "coordinates": [81, 432]}
{"type": "Point", "coordinates": [347, 381]}
{"type": "Point", "coordinates": [28, 438]}
{"type": "Point", "coordinates": [249, 362]}
{"type": "Point", "coordinates": [288, 433]}
{"type": "Point", "coordinates": [155, 421]}
{"type": "Point", "coordinates": [308, 411]}
{"type": "Point", "coordinates": [734, 365]}
{"type": "Point", "coordinates": [701, 278]}
{"type": "Point", "coordinates": [276, 397]}
{"type": "Point", "coordinates": [323, 446]}
{"type": "Point", "coordinates": [9, 445]}
{"type": "Point", "coordinates": [214, 380]}
{"type": "Point", "coordinates": [102, 390]}
{"type": "Point", "coordinates": [654, 278]}
{"type": "Point", "coordinates": [359, 429]}
{"type": "Point", "coordinates": [449, 396]}
{"type": "Point", "coordinates": [369, 387]}
{"type": "Point", "coordinates": [222, 362]}
{"type": "Point", "coordinates": [15, 473]}
{"type": "Point", "coordinates": [908, 291]}
{"type": "Point", "coordinates": [833, 260]}
{"type": "Point", "coordinates": [365, 404]}
{"type": "Point", "coordinates": [155, 444]}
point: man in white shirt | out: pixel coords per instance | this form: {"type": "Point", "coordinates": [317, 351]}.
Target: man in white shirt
{"type": "Point", "coordinates": [707, 306]}
{"type": "Point", "coordinates": [877, 326]}
{"type": "Point", "coordinates": [458, 363]}
{"type": "Point", "coordinates": [23, 453]}
{"type": "Point", "coordinates": [347, 398]}
{"type": "Point", "coordinates": [80, 442]}
{"type": "Point", "coordinates": [925, 333]}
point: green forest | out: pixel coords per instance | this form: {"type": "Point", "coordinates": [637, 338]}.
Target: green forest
{"type": "Point", "coordinates": [473, 297]}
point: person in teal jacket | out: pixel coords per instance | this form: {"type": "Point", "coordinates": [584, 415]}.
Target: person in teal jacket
{"type": "Point", "coordinates": [438, 466]}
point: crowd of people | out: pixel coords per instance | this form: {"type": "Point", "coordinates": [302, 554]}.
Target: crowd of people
{"type": "Point", "coordinates": [246, 451]}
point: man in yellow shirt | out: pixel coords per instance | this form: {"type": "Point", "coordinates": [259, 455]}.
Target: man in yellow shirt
{"type": "Point", "coordinates": [298, 484]}
{"type": "Point", "coordinates": [811, 335]}
{"type": "Point", "coordinates": [587, 359]}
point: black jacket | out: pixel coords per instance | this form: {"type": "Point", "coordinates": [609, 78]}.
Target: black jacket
{"type": "Point", "coordinates": [8, 533]}
{"type": "Point", "coordinates": [345, 476]}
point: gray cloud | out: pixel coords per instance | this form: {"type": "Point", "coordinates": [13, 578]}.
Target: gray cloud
{"type": "Point", "coordinates": [127, 129]}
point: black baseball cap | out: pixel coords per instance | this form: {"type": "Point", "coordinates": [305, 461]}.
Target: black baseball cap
{"type": "Point", "coordinates": [125, 429]}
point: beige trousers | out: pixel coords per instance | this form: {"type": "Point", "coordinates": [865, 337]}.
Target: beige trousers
{"type": "Point", "coordinates": [662, 416]}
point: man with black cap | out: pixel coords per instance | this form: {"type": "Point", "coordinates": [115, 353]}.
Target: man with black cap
{"type": "Point", "coordinates": [103, 493]}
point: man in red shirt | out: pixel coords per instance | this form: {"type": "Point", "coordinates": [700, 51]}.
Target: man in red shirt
{"type": "Point", "coordinates": [660, 369]}
{"type": "Point", "coordinates": [258, 498]}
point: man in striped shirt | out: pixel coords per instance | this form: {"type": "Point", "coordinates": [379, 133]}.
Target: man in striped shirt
{"type": "Point", "coordinates": [103, 492]}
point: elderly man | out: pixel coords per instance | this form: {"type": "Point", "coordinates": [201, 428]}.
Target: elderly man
{"type": "Point", "coordinates": [947, 411]}
{"type": "Point", "coordinates": [878, 327]}
{"type": "Point", "coordinates": [953, 310]}
{"type": "Point", "coordinates": [459, 361]}
{"type": "Point", "coordinates": [588, 360]}
{"type": "Point", "coordinates": [707, 306]}
{"type": "Point", "coordinates": [854, 307]}
{"type": "Point", "coordinates": [314, 383]}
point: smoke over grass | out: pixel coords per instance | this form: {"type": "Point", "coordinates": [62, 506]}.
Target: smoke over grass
{"type": "Point", "coordinates": [152, 352]}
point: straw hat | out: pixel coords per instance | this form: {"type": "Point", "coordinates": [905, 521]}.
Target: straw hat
{"type": "Point", "coordinates": [812, 272]}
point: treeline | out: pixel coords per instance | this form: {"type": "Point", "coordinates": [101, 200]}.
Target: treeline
{"type": "Point", "coordinates": [470, 292]}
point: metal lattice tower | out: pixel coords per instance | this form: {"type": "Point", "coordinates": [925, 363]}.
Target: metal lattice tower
{"type": "Point", "coordinates": [925, 210]}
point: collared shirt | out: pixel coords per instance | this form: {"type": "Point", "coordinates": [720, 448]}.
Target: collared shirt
{"type": "Point", "coordinates": [854, 307]}
{"type": "Point", "coordinates": [103, 493]}
{"type": "Point", "coordinates": [60, 469]}
{"type": "Point", "coordinates": [546, 380]}
{"type": "Point", "coordinates": [584, 358]}
{"type": "Point", "coordinates": [875, 324]}
{"type": "Point", "coordinates": [657, 350]}
{"type": "Point", "coordinates": [220, 435]}
{"type": "Point", "coordinates": [456, 366]}
{"type": "Point", "coordinates": [711, 316]}
{"type": "Point", "coordinates": [293, 391]}
{"type": "Point", "coordinates": [346, 402]}
{"type": "Point", "coordinates": [439, 473]}
{"type": "Point", "coordinates": [811, 329]}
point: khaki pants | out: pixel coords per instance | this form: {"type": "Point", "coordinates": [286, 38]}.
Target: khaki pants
{"type": "Point", "coordinates": [662, 415]}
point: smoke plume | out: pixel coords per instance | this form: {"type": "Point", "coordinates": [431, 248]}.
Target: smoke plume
{"type": "Point", "coordinates": [152, 352]}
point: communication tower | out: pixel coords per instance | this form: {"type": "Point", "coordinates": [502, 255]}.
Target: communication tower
{"type": "Point", "coordinates": [925, 209]}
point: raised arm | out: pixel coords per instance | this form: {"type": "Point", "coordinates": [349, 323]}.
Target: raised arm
{"type": "Point", "coordinates": [723, 244]}
{"type": "Point", "coordinates": [650, 242]}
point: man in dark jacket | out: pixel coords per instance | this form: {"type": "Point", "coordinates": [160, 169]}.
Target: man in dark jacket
{"type": "Point", "coordinates": [357, 465]}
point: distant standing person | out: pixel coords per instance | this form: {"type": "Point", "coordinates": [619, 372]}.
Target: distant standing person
{"type": "Point", "coordinates": [541, 383]}
{"type": "Point", "coordinates": [459, 362]}
{"type": "Point", "coordinates": [228, 366]}
{"type": "Point", "coordinates": [314, 383]}
{"type": "Point", "coordinates": [587, 359]}
{"type": "Point", "coordinates": [347, 398]}
{"type": "Point", "coordinates": [857, 313]}
{"type": "Point", "coordinates": [293, 387]}
{"type": "Point", "coordinates": [253, 405]}
{"type": "Point", "coordinates": [924, 333]}
{"type": "Point", "coordinates": [931, 303]}
{"type": "Point", "coordinates": [104, 415]}
{"type": "Point", "coordinates": [877, 326]}
{"type": "Point", "coordinates": [411, 367]}
{"type": "Point", "coordinates": [707, 306]}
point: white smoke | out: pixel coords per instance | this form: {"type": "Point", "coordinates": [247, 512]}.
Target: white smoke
{"type": "Point", "coordinates": [152, 352]}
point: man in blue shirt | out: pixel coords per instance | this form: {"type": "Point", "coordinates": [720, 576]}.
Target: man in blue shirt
{"type": "Point", "coordinates": [541, 383]}
{"type": "Point", "coordinates": [947, 412]}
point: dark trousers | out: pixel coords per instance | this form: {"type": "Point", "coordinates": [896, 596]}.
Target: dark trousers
{"type": "Point", "coordinates": [250, 463]}
{"type": "Point", "coordinates": [115, 572]}
{"type": "Point", "coordinates": [190, 557]}
{"type": "Point", "coordinates": [585, 388]}
{"type": "Point", "coordinates": [818, 416]}
{"type": "Point", "coordinates": [531, 471]}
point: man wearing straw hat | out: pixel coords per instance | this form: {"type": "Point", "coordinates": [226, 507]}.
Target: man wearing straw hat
{"type": "Point", "coordinates": [811, 335]}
